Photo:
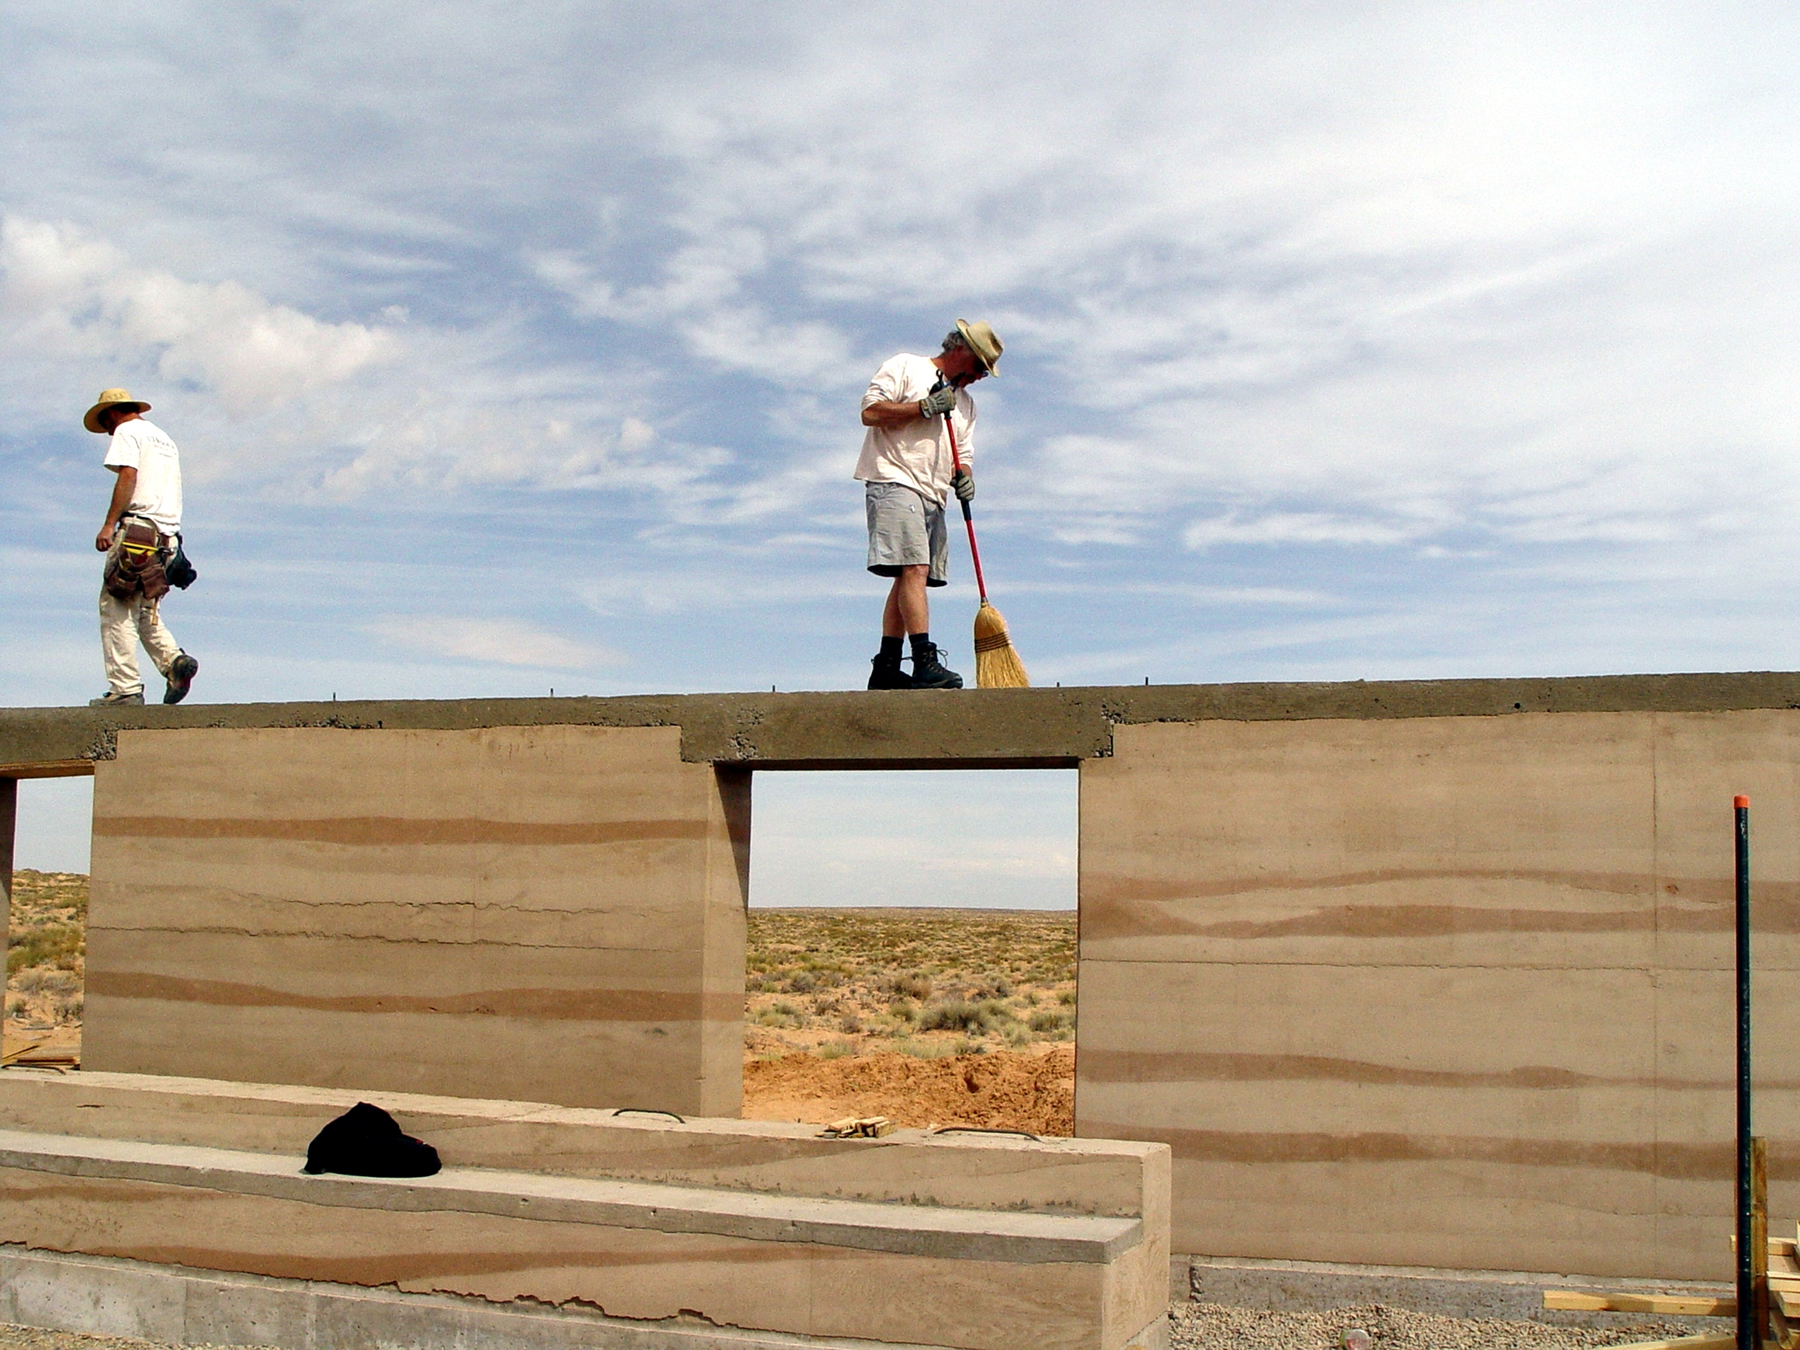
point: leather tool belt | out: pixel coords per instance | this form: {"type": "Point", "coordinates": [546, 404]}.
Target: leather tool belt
{"type": "Point", "coordinates": [135, 566]}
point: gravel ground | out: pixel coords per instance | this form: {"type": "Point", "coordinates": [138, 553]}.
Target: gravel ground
{"type": "Point", "coordinates": [30, 1338]}
{"type": "Point", "coordinates": [1208, 1326]}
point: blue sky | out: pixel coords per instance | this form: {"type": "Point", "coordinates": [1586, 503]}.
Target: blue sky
{"type": "Point", "coordinates": [517, 347]}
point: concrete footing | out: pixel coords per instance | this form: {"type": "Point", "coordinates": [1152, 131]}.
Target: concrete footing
{"type": "Point", "coordinates": [1315, 1286]}
{"type": "Point", "coordinates": [104, 1296]}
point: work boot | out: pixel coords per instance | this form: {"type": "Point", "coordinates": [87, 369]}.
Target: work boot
{"type": "Point", "coordinates": [181, 676]}
{"type": "Point", "coordinates": [113, 698]}
{"type": "Point", "coordinates": [888, 675]}
{"type": "Point", "coordinates": [929, 672]}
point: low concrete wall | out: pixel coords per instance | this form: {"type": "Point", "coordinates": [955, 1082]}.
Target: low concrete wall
{"type": "Point", "coordinates": [178, 1305]}
{"type": "Point", "coordinates": [1110, 1178]}
{"type": "Point", "coordinates": [746, 1226]}
{"type": "Point", "coordinates": [1447, 992]}
{"type": "Point", "coordinates": [553, 914]}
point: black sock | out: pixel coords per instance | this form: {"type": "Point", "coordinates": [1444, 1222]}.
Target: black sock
{"type": "Point", "coordinates": [920, 642]}
{"type": "Point", "coordinates": [890, 650]}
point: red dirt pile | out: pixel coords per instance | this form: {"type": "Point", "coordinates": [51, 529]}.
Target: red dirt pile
{"type": "Point", "coordinates": [1003, 1089]}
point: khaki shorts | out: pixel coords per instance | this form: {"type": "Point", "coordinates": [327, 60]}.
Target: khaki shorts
{"type": "Point", "coordinates": [906, 530]}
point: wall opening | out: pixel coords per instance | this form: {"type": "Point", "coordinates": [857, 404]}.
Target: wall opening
{"type": "Point", "coordinates": [911, 953]}
{"type": "Point", "coordinates": [46, 930]}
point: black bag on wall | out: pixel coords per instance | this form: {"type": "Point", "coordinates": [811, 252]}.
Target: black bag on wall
{"type": "Point", "coordinates": [367, 1142]}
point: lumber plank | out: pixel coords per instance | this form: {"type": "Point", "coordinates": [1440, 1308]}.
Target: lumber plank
{"type": "Point", "coordinates": [1726, 1340]}
{"type": "Point", "coordinates": [1673, 1305]}
{"type": "Point", "coordinates": [1759, 1235]}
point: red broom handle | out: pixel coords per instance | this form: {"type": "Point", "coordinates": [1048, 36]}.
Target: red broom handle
{"type": "Point", "coordinates": [968, 517]}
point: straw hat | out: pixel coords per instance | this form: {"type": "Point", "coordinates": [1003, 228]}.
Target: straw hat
{"type": "Point", "coordinates": [983, 341]}
{"type": "Point", "coordinates": [111, 398]}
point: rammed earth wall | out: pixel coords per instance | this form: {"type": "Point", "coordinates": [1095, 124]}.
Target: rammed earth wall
{"type": "Point", "coordinates": [1425, 973]}
{"type": "Point", "coordinates": [550, 914]}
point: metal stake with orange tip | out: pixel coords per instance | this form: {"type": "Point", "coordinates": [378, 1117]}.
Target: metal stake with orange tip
{"type": "Point", "coordinates": [997, 665]}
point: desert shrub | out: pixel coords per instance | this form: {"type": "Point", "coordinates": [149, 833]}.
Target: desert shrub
{"type": "Point", "coordinates": [1066, 998]}
{"type": "Point", "coordinates": [957, 1016]}
{"type": "Point", "coordinates": [802, 983]}
{"type": "Point", "coordinates": [915, 985]}
{"type": "Point", "coordinates": [850, 1024]}
{"type": "Point", "coordinates": [903, 1009]}
{"type": "Point", "coordinates": [836, 1049]}
{"type": "Point", "coordinates": [1017, 1036]}
{"type": "Point", "coordinates": [15, 1006]}
{"type": "Point", "coordinates": [57, 944]}
{"type": "Point", "coordinates": [779, 1015]}
{"type": "Point", "coordinates": [67, 1009]}
{"type": "Point", "coordinates": [1047, 1020]}
{"type": "Point", "coordinates": [926, 1049]}
{"type": "Point", "coordinates": [782, 1008]}
{"type": "Point", "coordinates": [46, 979]}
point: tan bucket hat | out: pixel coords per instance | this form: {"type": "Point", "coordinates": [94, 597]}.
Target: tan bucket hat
{"type": "Point", "coordinates": [111, 398]}
{"type": "Point", "coordinates": [983, 341]}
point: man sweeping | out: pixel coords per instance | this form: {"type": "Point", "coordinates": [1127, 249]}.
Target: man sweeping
{"type": "Point", "coordinates": [912, 408]}
{"type": "Point", "coordinates": [139, 538]}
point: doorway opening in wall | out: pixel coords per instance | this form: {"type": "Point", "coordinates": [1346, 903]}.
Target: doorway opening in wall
{"type": "Point", "coordinates": [46, 942]}
{"type": "Point", "coordinates": [911, 948]}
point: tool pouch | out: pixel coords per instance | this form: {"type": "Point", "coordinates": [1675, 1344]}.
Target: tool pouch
{"type": "Point", "coordinates": [176, 567]}
{"type": "Point", "coordinates": [135, 566]}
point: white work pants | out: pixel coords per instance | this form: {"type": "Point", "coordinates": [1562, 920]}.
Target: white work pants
{"type": "Point", "coordinates": [123, 624]}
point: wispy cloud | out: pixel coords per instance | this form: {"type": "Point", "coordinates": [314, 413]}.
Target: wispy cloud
{"type": "Point", "coordinates": [1288, 527]}
{"type": "Point", "coordinates": [507, 642]}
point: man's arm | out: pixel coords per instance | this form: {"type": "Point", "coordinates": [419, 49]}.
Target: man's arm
{"type": "Point", "coordinates": [890, 416]}
{"type": "Point", "coordinates": [123, 490]}
{"type": "Point", "coordinates": [887, 413]}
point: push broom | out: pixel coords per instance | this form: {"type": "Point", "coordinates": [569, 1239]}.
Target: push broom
{"type": "Point", "coordinates": [997, 665]}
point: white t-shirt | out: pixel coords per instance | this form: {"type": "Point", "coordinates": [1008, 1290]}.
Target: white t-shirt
{"type": "Point", "coordinates": [139, 445]}
{"type": "Point", "coordinates": [917, 454]}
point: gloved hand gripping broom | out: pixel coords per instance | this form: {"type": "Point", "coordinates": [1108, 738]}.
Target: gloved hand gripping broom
{"type": "Point", "coordinates": [997, 665]}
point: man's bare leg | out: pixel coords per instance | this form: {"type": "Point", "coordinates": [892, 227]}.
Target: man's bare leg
{"type": "Point", "coordinates": [907, 610]}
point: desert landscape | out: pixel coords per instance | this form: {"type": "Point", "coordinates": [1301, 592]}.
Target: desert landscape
{"type": "Point", "coordinates": [45, 966]}
{"type": "Point", "coordinates": [926, 1016]}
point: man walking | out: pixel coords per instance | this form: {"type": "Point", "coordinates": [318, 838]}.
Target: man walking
{"type": "Point", "coordinates": [906, 464]}
{"type": "Point", "coordinates": [142, 530]}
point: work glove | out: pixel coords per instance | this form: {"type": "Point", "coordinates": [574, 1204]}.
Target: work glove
{"type": "Point", "coordinates": [962, 483]}
{"type": "Point", "coordinates": [938, 402]}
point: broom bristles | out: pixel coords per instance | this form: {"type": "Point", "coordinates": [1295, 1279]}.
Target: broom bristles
{"type": "Point", "coordinates": [997, 665]}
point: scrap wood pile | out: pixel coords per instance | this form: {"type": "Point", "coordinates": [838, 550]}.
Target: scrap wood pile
{"type": "Point", "coordinates": [32, 1056]}
{"type": "Point", "coordinates": [859, 1127]}
{"type": "Point", "coordinates": [1782, 1328]}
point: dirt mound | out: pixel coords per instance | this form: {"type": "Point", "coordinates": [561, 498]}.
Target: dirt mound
{"type": "Point", "coordinates": [1003, 1089]}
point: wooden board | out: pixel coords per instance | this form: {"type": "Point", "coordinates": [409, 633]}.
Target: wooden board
{"type": "Point", "coordinates": [1674, 1305]}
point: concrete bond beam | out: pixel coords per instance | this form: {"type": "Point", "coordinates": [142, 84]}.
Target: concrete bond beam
{"type": "Point", "coordinates": [974, 728]}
